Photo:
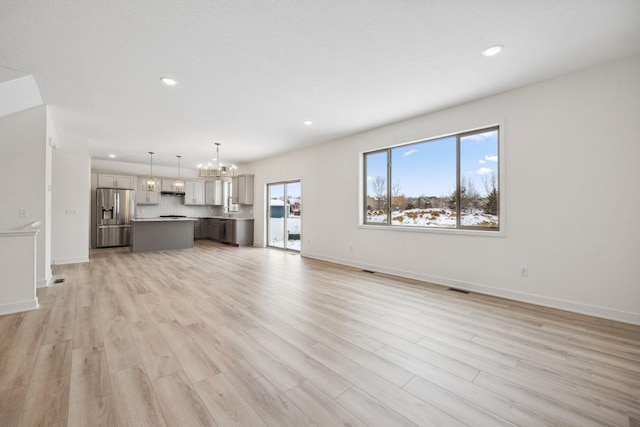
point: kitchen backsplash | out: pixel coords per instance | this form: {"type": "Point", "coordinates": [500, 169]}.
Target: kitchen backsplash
{"type": "Point", "coordinates": [174, 205]}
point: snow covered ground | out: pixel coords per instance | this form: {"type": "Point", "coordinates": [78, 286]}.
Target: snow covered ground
{"type": "Point", "coordinates": [434, 218]}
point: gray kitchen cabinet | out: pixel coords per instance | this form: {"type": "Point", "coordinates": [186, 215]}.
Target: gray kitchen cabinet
{"type": "Point", "coordinates": [243, 232]}
{"type": "Point", "coordinates": [145, 196]}
{"type": "Point", "coordinates": [237, 232]}
{"type": "Point", "coordinates": [197, 233]}
{"type": "Point", "coordinates": [213, 193]}
{"type": "Point", "coordinates": [166, 185]}
{"type": "Point", "coordinates": [205, 228]}
{"type": "Point", "coordinates": [242, 189]}
{"type": "Point", "coordinates": [106, 180]}
{"type": "Point", "coordinates": [215, 225]}
{"type": "Point", "coordinates": [194, 193]}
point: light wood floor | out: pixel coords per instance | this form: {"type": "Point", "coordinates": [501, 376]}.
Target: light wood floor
{"type": "Point", "coordinates": [253, 337]}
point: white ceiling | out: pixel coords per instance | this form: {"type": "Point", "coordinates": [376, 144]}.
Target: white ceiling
{"type": "Point", "coordinates": [250, 72]}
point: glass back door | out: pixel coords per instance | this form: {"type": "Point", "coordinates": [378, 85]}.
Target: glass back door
{"type": "Point", "coordinates": [284, 212]}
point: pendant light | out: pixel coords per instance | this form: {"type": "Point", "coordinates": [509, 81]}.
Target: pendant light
{"type": "Point", "coordinates": [178, 184]}
{"type": "Point", "coordinates": [150, 182]}
{"type": "Point", "coordinates": [219, 169]}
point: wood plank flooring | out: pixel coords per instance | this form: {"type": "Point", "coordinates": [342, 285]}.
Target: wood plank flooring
{"type": "Point", "coordinates": [223, 336]}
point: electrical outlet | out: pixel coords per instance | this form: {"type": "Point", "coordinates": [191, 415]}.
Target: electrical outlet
{"type": "Point", "coordinates": [524, 271]}
{"type": "Point", "coordinates": [350, 248]}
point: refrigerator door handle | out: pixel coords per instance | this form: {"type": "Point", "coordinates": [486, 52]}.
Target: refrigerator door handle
{"type": "Point", "coordinates": [117, 208]}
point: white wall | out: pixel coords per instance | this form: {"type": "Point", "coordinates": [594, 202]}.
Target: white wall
{"type": "Point", "coordinates": [571, 192]}
{"type": "Point", "coordinates": [50, 139]}
{"type": "Point", "coordinates": [25, 172]}
{"type": "Point", "coordinates": [139, 169]}
{"type": "Point", "coordinates": [71, 205]}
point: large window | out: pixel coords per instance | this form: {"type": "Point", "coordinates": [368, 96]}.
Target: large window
{"type": "Point", "coordinates": [449, 182]}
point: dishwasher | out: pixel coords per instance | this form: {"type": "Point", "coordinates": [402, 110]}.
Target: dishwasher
{"type": "Point", "coordinates": [228, 231]}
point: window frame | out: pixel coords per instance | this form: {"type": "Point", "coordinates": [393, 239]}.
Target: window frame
{"type": "Point", "coordinates": [365, 183]}
{"type": "Point", "coordinates": [458, 228]}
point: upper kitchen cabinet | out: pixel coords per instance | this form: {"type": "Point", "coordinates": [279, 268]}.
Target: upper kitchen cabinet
{"type": "Point", "coordinates": [146, 196]}
{"type": "Point", "coordinates": [116, 181]}
{"type": "Point", "coordinates": [242, 189]}
{"type": "Point", "coordinates": [194, 193]}
{"type": "Point", "coordinates": [167, 185]}
{"type": "Point", "coordinates": [213, 193]}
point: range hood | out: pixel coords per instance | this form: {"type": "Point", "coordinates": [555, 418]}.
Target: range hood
{"type": "Point", "coordinates": [172, 193]}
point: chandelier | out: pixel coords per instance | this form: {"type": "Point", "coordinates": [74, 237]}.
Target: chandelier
{"type": "Point", "coordinates": [219, 171]}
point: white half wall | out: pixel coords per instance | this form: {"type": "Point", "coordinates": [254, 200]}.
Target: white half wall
{"type": "Point", "coordinates": [570, 192]}
{"type": "Point", "coordinates": [18, 271]}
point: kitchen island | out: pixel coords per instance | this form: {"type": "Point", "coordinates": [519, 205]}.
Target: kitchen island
{"type": "Point", "coordinates": [161, 234]}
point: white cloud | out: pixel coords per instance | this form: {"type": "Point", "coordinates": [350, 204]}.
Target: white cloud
{"type": "Point", "coordinates": [491, 158]}
{"type": "Point", "coordinates": [482, 162]}
{"type": "Point", "coordinates": [484, 171]}
{"type": "Point", "coordinates": [410, 152]}
{"type": "Point", "coordinates": [369, 178]}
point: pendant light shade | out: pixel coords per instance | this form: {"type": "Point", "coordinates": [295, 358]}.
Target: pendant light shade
{"type": "Point", "coordinates": [150, 182]}
{"type": "Point", "coordinates": [178, 184]}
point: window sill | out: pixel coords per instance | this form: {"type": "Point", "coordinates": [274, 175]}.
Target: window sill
{"type": "Point", "coordinates": [454, 231]}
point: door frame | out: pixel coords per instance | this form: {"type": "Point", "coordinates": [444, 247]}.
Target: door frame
{"type": "Point", "coordinates": [268, 214]}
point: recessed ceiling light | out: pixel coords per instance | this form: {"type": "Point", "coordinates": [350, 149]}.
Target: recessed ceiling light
{"type": "Point", "coordinates": [307, 122]}
{"type": "Point", "coordinates": [113, 156]}
{"type": "Point", "coordinates": [168, 81]}
{"type": "Point", "coordinates": [493, 50]}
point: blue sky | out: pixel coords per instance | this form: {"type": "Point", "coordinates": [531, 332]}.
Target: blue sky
{"type": "Point", "coordinates": [276, 191]}
{"type": "Point", "coordinates": [429, 168]}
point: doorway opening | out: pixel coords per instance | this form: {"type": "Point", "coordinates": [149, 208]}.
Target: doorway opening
{"type": "Point", "coordinates": [284, 215]}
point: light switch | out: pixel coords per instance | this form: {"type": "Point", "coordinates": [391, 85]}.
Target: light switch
{"type": "Point", "coordinates": [23, 213]}
{"type": "Point", "coordinates": [72, 212]}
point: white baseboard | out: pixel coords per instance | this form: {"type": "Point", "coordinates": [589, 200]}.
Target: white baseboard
{"type": "Point", "coordinates": [43, 283]}
{"type": "Point", "coordinates": [18, 307]}
{"type": "Point", "coordinates": [576, 307]}
{"type": "Point", "coordinates": [63, 261]}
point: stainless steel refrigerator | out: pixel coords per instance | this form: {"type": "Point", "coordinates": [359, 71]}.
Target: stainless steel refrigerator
{"type": "Point", "coordinates": [114, 210]}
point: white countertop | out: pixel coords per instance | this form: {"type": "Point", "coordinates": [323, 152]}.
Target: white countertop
{"type": "Point", "coordinates": [163, 219]}
{"type": "Point", "coordinates": [238, 218]}
{"type": "Point", "coordinates": [192, 219]}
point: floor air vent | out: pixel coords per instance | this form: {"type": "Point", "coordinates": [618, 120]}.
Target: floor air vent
{"type": "Point", "coordinates": [368, 271]}
{"type": "Point", "coordinates": [462, 291]}
{"type": "Point", "coordinates": [58, 281]}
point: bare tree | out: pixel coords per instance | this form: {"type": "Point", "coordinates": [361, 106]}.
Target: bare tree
{"type": "Point", "coordinates": [489, 183]}
{"type": "Point", "coordinates": [469, 194]}
{"type": "Point", "coordinates": [379, 189]}
{"type": "Point", "coordinates": [395, 189]}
